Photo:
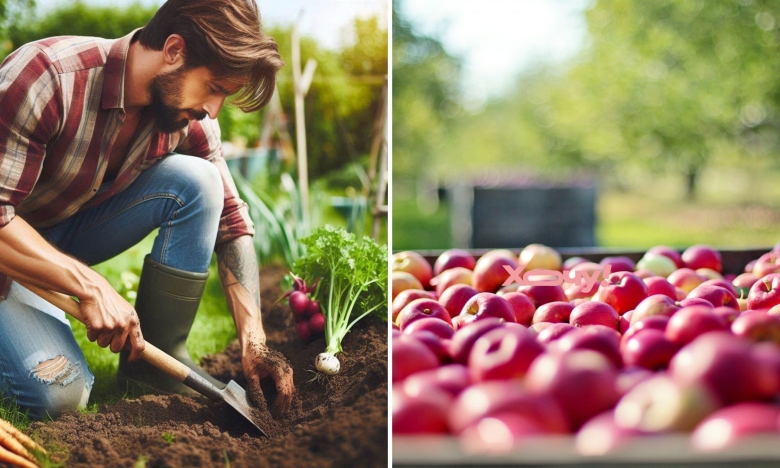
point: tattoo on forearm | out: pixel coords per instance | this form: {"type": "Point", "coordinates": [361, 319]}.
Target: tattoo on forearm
{"type": "Point", "coordinates": [238, 258]}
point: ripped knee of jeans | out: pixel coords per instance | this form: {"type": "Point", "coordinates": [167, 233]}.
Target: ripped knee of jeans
{"type": "Point", "coordinates": [56, 371]}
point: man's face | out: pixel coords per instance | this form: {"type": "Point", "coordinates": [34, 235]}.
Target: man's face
{"type": "Point", "coordinates": [179, 96]}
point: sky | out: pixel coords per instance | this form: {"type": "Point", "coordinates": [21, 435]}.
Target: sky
{"type": "Point", "coordinates": [499, 38]}
{"type": "Point", "coordinates": [325, 20]}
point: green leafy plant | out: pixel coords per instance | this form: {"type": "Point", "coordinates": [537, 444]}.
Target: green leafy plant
{"type": "Point", "coordinates": [168, 437]}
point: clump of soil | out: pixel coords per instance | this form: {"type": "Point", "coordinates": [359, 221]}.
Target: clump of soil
{"type": "Point", "coordinates": [341, 421]}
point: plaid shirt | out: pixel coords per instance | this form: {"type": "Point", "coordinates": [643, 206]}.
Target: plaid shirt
{"type": "Point", "coordinates": [61, 109]}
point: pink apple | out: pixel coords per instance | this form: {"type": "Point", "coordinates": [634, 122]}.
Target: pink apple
{"type": "Point", "coordinates": [765, 293]}
{"type": "Point", "coordinates": [619, 263]}
{"type": "Point", "coordinates": [464, 338]}
{"type": "Point", "coordinates": [724, 363]}
{"type": "Point", "coordinates": [757, 325]}
{"type": "Point", "coordinates": [727, 426]}
{"type": "Point", "coordinates": [702, 256]}
{"type": "Point", "coordinates": [750, 265]}
{"type": "Point", "coordinates": [537, 328]}
{"type": "Point", "coordinates": [485, 305]}
{"type": "Point", "coordinates": [455, 297]}
{"type": "Point", "coordinates": [433, 325]}
{"type": "Point", "coordinates": [422, 308]}
{"type": "Point", "coordinates": [490, 272]}
{"type": "Point", "coordinates": [583, 383]}
{"type": "Point", "coordinates": [649, 349]}
{"type": "Point", "coordinates": [644, 274]}
{"type": "Point", "coordinates": [411, 356]}
{"type": "Point", "coordinates": [579, 291]}
{"type": "Point", "coordinates": [691, 322]}
{"type": "Point", "coordinates": [503, 353]}
{"type": "Point", "coordinates": [403, 281]}
{"type": "Point", "coordinates": [669, 252]}
{"type": "Point", "coordinates": [716, 295]}
{"type": "Point", "coordinates": [658, 264]}
{"type": "Point", "coordinates": [709, 273]}
{"type": "Point", "coordinates": [696, 301]}
{"type": "Point", "coordinates": [623, 291]}
{"type": "Point", "coordinates": [452, 378]}
{"type": "Point", "coordinates": [451, 277]}
{"type": "Point", "coordinates": [595, 338]}
{"type": "Point", "coordinates": [415, 264]}
{"type": "Point", "coordinates": [590, 268]}
{"type": "Point", "coordinates": [541, 295]}
{"type": "Point", "coordinates": [571, 262]}
{"type": "Point", "coordinates": [766, 264]}
{"type": "Point", "coordinates": [625, 322]}
{"type": "Point", "coordinates": [407, 296]}
{"type": "Point", "coordinates": [631, 376]}
{"type": "Point", "coordinates": [436, 344]}
{"type": "Point", "coordinates": [657, 304]}
{"type": "Point", "coordinates": [540, 257]}
{"type": "Point", "coordinates": [774, 310]}
{"type": "Point", "coordinates": [523, 307]}
{"type": "Point", "coordinates": [721, 283]}
{"type": "Point", "coordinates": [425, 413]}
{"type": "Point", "coordinates": [499, 433]}
{"type": "Point", "coordinates": [686, 279]}
{"type": "Point", "coordinates": [594, 313]}
{"type": "Point", "coordinates": [554, 332]}
{"type": "Point", "coordinates": [553, 312]}
{"type": "Point", "coordinates": [659, 285]}
{"type": "Point", "coordinates": [652, 322]}
{"type": "Point", "coordinates": [729, 314]}
{"type": "Point", "coordinates": [743, 283]}
{"type": "Point", "coordinates": [601, 436]}
{"type": "Point", "coordinates": [453, 258]}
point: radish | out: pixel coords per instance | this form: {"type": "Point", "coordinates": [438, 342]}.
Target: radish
{"type": "Point", "coordinates": [299, 302]}
{"type": "Point", "coordinates": [317, 323]}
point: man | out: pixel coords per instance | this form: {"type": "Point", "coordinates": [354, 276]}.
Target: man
{"type": "Point", "coordinates": [101, 142]}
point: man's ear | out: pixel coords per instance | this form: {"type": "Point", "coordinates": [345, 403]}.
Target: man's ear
{"type": "Point", "coordinates": [174, 49]}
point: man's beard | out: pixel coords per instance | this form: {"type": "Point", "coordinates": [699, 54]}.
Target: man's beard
{"type": "Point", "coordinates": [168, 114]}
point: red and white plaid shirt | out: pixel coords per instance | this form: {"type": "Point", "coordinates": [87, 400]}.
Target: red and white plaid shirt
{"type": "Point", "coordinates": [61, 109]}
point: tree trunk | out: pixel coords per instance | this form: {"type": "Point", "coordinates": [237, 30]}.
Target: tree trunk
{"type": "Point", "coordinates": [691, 179]}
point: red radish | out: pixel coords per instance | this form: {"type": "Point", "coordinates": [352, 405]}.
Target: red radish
{"type": "Point", "coordinates": [313, 308]}
{"type": "Point", "coordinates": [302, 328]}
{"type": "Point", "coordinates": [317, 323]}
{"type": "Point", "coordinates": [299, 302]}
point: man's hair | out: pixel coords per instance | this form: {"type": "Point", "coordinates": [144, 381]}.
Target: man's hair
{"type": "Point", "coordinates": [226, 37]}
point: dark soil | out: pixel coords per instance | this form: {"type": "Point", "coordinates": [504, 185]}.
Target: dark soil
{"type": "Point", "coordinates": [338, 422]}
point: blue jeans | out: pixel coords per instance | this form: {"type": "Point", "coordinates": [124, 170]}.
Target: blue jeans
{"type": "Point", "coordinates": [41, 366]}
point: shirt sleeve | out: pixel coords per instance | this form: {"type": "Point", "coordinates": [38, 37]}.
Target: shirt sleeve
{"type": "Point", "coordinates": [29, 117]}
{"type": "Point", "coordinates": [203, 140]}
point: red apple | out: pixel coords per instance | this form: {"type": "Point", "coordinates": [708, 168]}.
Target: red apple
{"type": "Point", "coordinates": [594, 313]}
{"type": "Point", "coordinates": [630, 377]}
{"type": "Point", "coordinates": [757, 325]}
{"type": "Point", "coordinates": [485, 305]}
{"type": "Point", "coordinates": [709, 273]}
{"type": "Point", "coordinates": [433, 325]}
{"type": "Point", "coordinates": [571, 262]}
{"type": "Point", "coordinates": [623, 291]}
{"type": "Point", "coordinates": [702, 256]}
{"type": "Point", "coordinates": [649, 349]}
{"type": "Point", "coordinates": [490, 272]}
{"type": "Point", "coordinates": [453, 258]}
{"type": "Point", "coordinates": [765, 293]}
{"type": "Point", "coordinates": [727, 313]}
{"type": "Point", "coordinates": [541, 295]}
{"type": "Point", "coordinates": [407, 296]}
{"type": "Point", "coordinates": [716, 295]}
{"type": "Point", "coordinates": [724, 363]}
{"type": "Point", "coordinates": [625, 322]}
{"type": "Point", "coordinates": [455, 297]}
{"type": "Point", "coordinates": [452, 378]}
{"type": "Point", "coordinates": [422, 308]}
{"type": "Point", "coordinates": [554, 332]}
{"type": "Point", "coordinates": [686, 279]}
{"type": "Point", "coordinates": [436, 344]}
{"type": "Point", "coordinates": [425, 413]}
{"type": "Point", "coordinates": [595, 338]}
{"type": "Point", "coordinates": [743, 283]}
{"type": "Point", "coordinates": [691, 322]}
{"type": "Point", "coordinates": [498, 433]}
{"type": "Point", "coordinates": [540, 257]}
{"type": "Point", "coordinates": [411, 356]}
{"type": "Point", "coordinates": [523, 307]}
{"type": "Point", "coordinates": [553, 312]}
{"type": "Point", "coordinates": [503, 353]}
{"type": "Point", "coordinates": [451, 277]}
{"type": "Point", "coordinates": [669, 252]}
{"type": "Point", "coordinates": [750, 265]}
{"type": "Point", "coordinates": [696, 301]}
{"type": "Point", "coordinates": [652, 322]}
{"type": "Point", "coordinates": [619, 263]}
{"type": "Point", "coordinates": [415, 264]}
{"type": "Point", "coordinates": [722, 283]}
{"type": "Point", "coordinates": [654, 305]}
{"type": "Point", "coordinates": [582, 382]}
{"type": "Point", "coordinates": [727, 426]}
{"type": "Point", "coordinates": [601, 435]}
{"type": "Point", "coordinates": [659, 285]}
{"type": "Point", "coordinates": [403, 281]}
{"type": "Point", "coordinates": [464, 338]}
{"type": "Point", "coordinates": [644, 274]}
{"type": "Point", "coordinates": [766, 264]}
{"type": "Point", "coordinates": [537, 328]}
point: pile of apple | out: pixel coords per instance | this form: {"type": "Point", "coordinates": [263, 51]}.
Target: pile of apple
{"type": "Point", "coordinates": [665, 345]}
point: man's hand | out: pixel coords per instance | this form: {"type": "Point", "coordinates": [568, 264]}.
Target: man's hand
{"type": "Point", "coordinates": [16, 447]}
{"type": "Point", "coordinates": [111, 320]}
{"type": "Point", "coordinates": [258, 362]}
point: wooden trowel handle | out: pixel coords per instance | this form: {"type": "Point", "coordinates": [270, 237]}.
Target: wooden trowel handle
{"type": "Point", "coordinates": [151, 354]}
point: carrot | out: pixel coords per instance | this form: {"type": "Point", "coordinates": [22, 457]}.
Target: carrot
{"type": "Point", "coordinates": [8, 442]}
{"type": "Point", "coordinates": [21, 437]}
{"type": "Point", "coordinates": [14, 459]}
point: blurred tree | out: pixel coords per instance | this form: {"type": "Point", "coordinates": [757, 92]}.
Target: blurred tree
{"type": "Point", "coordinates": [12, 13]}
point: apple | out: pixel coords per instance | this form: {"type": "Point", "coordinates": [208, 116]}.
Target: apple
{"type": "Point", "coordinates": [765, 293]}
{"type": "Point", "coordinates": [631, 376]}
{"type": "Point", "coordinates": [601, 435]}
{"type": "Point", "coordinates": [716, 295]}
{"type": "Point", "coordinates": [775, 310]}
{"type": "Point", "coordinates": [650, 349]}
{"type": "Point", "coordinates": [411, 356]}
{"type": "Point", "coordinates": [659, 285]}
{"type": "Point", "coordinates": [708, 273]}
{"type": "Point", "coordinates": [750, 265]}
{"type": "Point", "coordinates": [623, 291]}
{"type": "Point", "coordinates": [541, 295]}
{"type": "Point", "coordinates": [485, 305]}
{"type": "Point", "coordinates": [729, 314]}
{"type": "Point", "coordinates": [757, 325]}
{"type": "Point", "coordinates": [594, 313]}
{"type": "Point", "coordinates": [451, 277]}
{"type": "Point", "coordinates": [490, 271]}
{"type": "Point", "coordinates": [661, 404]}
{"type": "Point", "coordinates": [619, 263]}
{"type": "Point", "coordinates": [727, 426]}
{"type": "Point", "coordinates": [766, 264]}
{"type": "Point", "coordinates": [554, 332]}
{"type": "Point", "coordinates": [721, 283]}
{"type": "Point", "coordinates": [453, 258]}
{"type": "Point", "coordinates": [464, 338]}
{"type": "Point", "coordinates": [571, 262]}
{"type": "Point", "coordinates": [644, 274]}
{"type": "Point", "coordinates": [439, 346]}
{"type": "Point", "coordinates": [669, 252]}
{"type": "Point", "coordinates": [433, 325]}
{"type": "Point", "coordinates": [657, 304]}
{"type": "Point", "coordinates": [422, 308]}
{"type": "Point", "coordinates": [579, 291]}
{"type": "Point", "coordinates": [652, 322]}
{"type": "Point", "coordinates": [702, 256]}
{"type": "Point", "coordinates": [680, 294]}
{"type": "Point", "coordinates": [595, 338]}
{"type": "Point", "coordinates": [537, 328]}
{"type": "Point", "coordinates": [691, 322]}
{"type": "Point", "coordinates": [403, 281]}
{"type": "Point", "coordinates": [415, 264]}
{"type": "Point", "coordinates": [686, 279]}
{"type": "Point", "coordinates": [424, 413]}
{"type": "Point", "coordinates": [503, 353]}
{"type": "Point", "coordinates": [625, 322]}
{"type": "Point", "coordinates": [522, 305]}
{"type": "Point", "coordinates": [743, 283]}
{"type": "Point", "coordinates": [540, 257]}
{"type": "Point", "coordinates": [452, 378]}
{"type": "Point", "coordinates": [589, 268]}
{"type": "Point", "coordinates": [583, 382]}
{"type": "Point", "coordinates": [724, 363]}
{"type": "Point", "coordinates": [498, 433]}
{"type": "Point", "coordinates": [485, 399]}
{"type": "Point", "coordinates": [661, 265]}
{"type": "Point", "coordinates": [407, 296]}
{"type": "Point", "coordinates": [455, 297]}
{"type": "Point", "coordinates": [696, 301]}
{"type": "Point", "coordinates": [553, 312]}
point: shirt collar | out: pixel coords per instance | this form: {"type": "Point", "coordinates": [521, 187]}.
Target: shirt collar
{"type": "Point", "coordinates": [114, 73]}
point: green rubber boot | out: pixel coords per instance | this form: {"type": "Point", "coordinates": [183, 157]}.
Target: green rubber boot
{"type": "Point", "coordinates": [166, 304]}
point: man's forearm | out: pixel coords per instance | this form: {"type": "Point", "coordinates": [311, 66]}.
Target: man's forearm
{"type": "Point", "coordinates": [239, 274]}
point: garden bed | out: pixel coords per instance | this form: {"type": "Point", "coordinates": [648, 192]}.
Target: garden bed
{"type": "Point", "coordinates": [341, 422]}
